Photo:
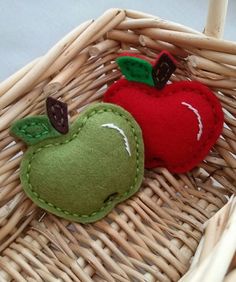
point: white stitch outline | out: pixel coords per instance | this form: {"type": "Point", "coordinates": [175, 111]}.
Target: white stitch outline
{"type": "Point", "coordinates": [200, 125]}
{"type": "Point", "coordinates": [113, 126]}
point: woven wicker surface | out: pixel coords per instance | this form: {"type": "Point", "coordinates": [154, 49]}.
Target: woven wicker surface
{"type": "Point", "coordinates": [152, 236]}
{"type": "Point", "coordinates": [215, 258]}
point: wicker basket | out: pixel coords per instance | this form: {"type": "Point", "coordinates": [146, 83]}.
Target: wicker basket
{"type": "Point", "coordinates": [153, 235]}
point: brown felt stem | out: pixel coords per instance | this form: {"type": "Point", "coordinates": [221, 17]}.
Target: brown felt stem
{"type": "Point", "coordinates": [58, 114]}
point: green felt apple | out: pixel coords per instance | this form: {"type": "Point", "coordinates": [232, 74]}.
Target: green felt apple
{"type": "Point", "coordinates": [82, 174]}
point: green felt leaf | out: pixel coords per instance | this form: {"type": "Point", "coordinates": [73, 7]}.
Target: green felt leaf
{"type": "Point", "coordinates": [136, 69]}
{"type": "Point", "coordinates": [83, 174]}
{"type": "Point", "coordinates": [33, 129]}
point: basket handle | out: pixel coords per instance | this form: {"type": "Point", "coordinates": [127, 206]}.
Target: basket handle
{"type": "Point", "coordinates": [217, 10]}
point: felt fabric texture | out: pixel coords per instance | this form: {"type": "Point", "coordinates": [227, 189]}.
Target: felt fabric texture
{"type": "Point", "coordinates": [58, 114]}
{"type": "Point", "coordinates": [33, 129]}
{"type": "Point", "coordinates": [136, 68]}
{"type": "Point", "coordinates": [180, 123]}
{"type": "Point", "coordinates": [83, 174]}
{"type": "Point", "coordinates": [163, 68]}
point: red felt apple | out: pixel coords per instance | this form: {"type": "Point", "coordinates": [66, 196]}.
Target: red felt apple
{"type": "Point", "coordinates": [180, 122]}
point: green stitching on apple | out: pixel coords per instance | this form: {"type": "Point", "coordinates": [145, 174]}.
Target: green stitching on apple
{"type": "Point", "coordinates": [83, 174]}
{"type": "Point", "coordinates": [34, 129]}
